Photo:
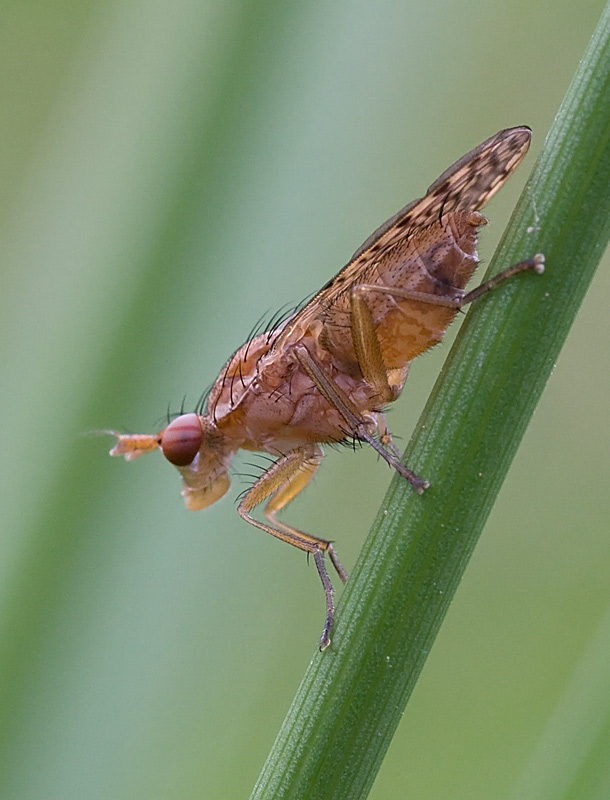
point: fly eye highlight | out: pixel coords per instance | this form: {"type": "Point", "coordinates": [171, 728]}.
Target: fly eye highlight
{"type": "Point", "coordinates": [181, 440]}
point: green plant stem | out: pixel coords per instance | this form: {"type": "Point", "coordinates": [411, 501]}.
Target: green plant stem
{"type": "Point", "coordinates": [352, 697]}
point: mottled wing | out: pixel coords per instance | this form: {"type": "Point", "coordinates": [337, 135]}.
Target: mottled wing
{"type": "Point", "coordinates": [466, 185]}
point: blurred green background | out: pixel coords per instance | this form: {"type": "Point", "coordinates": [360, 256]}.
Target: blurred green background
{"type": "Point", "coordinates": [170, 171]}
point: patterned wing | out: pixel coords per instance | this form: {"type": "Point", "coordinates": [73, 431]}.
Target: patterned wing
{"type": "Point", "coordinates": [466, 185]}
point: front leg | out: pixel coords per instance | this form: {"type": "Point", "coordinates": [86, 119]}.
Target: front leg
{"type": "Point", "coordinates": [281, 483]}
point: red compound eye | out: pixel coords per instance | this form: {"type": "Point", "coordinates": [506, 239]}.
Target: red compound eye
{"type": "Point", "coordinates": [181, 440]}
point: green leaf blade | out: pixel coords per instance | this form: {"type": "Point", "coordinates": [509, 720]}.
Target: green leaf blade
{"type": "Point", "coordinates": [352, 697]}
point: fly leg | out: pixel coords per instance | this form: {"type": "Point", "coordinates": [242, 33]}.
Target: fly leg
{"type": "Point", "coordinates": [359, 425]}
{"type": "Point", "coordinates": [385, 435]}
{"type": "Point", "coordinates": [536, 264]}
{"type": "Point", "coordinates": [281, 483]}
{"type": "Point", "coordinates": [460, 298]}
{"type": "Point", "coordinates": [388, 383]}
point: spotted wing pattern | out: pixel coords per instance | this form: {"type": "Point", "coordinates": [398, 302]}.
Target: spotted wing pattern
{"type": "Point", "coordinates": [466, 185]}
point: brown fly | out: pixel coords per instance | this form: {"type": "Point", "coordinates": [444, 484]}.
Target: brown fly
{"type": "Point", "coordinates": [327, 372]}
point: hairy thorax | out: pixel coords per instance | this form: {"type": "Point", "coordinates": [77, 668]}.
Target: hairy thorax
{"type": "Point", "coordinates": [264, 400]}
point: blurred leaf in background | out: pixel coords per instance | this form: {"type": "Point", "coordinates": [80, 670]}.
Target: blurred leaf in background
{"type": "Point", "coordinates": [171, 171]}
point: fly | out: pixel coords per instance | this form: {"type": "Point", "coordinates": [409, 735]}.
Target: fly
{"type": "Point", "coordinates": [327, 373]}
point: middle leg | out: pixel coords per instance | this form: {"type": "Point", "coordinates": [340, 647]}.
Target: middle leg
{"type": "Point", "coordinates": [356, 423]}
